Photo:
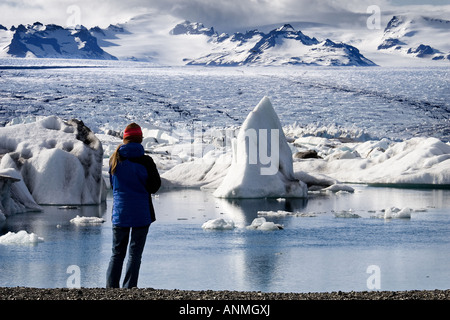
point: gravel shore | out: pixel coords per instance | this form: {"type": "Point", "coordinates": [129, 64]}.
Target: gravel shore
{"type": "Point", "coordinates": [25, 293]}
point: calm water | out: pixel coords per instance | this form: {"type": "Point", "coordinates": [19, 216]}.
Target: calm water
{"type": "Point", "coordinates": [320, 253]}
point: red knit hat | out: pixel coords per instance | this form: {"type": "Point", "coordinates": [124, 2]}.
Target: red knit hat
{"type": "Point", "coordinates": [132, 131]}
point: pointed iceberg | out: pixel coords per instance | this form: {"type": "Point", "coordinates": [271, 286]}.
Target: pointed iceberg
{"type": "Point", "coordinates": [262, 164]}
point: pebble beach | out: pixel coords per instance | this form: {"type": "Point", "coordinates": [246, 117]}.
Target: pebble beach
{"type": "Point", "coordinates": [25, 293]}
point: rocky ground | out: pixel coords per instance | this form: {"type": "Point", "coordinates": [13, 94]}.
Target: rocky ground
{"type": "Point", "coordinates": [22, 293]}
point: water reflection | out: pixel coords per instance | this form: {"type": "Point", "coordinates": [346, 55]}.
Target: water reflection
{"type": "Point", "coordinates": [243, 211]}
{"type": "Point", "coordinates": [44, 221]}
{"type": "Point", "coordinates": [306, 255]}
{"type": "Point", "coordinates": [259, 260]}
{"type": "Point", "coordinates": [45, 264]}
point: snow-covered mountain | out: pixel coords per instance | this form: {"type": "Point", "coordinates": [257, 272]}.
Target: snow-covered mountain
{"type": "Point", "coordinates": [188, 27]}
{"type": "Point", "coordinates": [281, 46]}
{"type": "Point", "coordinates": [183, 43]}
{"type": "Point", "coordinates": [161, 39]}
{"type": "Point", "coordinates": [105, 37]}
{"type": "Point", "coordinates": [52, 41]}
{"type": "Point", "coordinates": [419, 36]}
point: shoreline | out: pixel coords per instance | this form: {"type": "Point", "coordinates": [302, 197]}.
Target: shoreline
{"type": "Point", "coordinates": [30, 293]}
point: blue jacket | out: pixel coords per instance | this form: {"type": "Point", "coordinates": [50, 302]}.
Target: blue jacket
{"type": "Point", "coordinates": [134, 180]}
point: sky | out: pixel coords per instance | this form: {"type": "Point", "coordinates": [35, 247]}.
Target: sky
{"type": "Point", "coordinates": [222, 15]}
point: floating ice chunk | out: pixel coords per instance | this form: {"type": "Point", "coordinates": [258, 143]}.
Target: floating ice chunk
{"type": "Point", "coordinates": [306, 214]}
{"type": "Point", "coordinates": [337, 187]}
{"type": "Point", "coordinates": [396, 213]}
{"type": "Point", "coordinates": [262, 224]}
{"type": "Point", "coordinates": [21, 237]}
{"type": "Point", "coordinates": [279, 213]}
{"type": "Point", "coordinates": [346, 214]}
{"type": "Point", "coordinates": [87, 220]}
{"type": "Point", "coordinates": [219, 224]}
{"type": "Point", "coordinates": [256, 223]}
{"type": "Point", "coordinates": [268, 225]}
{"type": "Point", "coordinates": [68, 207]}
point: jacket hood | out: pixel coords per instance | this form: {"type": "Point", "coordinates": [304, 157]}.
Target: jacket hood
{"type": "Point", "coordinates": [131, 150]}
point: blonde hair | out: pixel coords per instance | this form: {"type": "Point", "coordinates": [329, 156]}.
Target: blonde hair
{"type": "Point", "coordinates": [115, 157]}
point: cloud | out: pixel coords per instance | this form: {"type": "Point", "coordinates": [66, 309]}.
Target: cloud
{"type": "Point", "coordinates": [229, 15]}
{"type": "Point", "coordinates": [87, 12]}
{"type": "Point", "coordinates": [236, 14]}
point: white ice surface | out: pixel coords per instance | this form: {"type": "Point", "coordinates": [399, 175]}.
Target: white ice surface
{"type": "Point", "coordinates": [414, 161]}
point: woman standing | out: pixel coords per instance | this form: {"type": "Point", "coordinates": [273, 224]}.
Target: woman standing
{"type": "Point", "coordinates": [134, 177]}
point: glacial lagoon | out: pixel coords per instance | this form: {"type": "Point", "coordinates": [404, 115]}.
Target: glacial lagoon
{"type": "Point", "coordinates": [329, 242]}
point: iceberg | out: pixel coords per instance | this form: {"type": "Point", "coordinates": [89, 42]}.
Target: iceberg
{"type": "Point", "coordinates": [396, 213]}
{"type": "Point", "coordinates": [78, 220]}
{"type": "Point", "coordinates": [56, 161]}
{"type": "Point", "coordinates": [219, 224]}
{"type": "Point", "coordinates": [278, 213]}
{"type": "Point", "coordinates": [262, 164]}
{"type": "Point", "coordinates": [262, 224]}
{"type": "Point", "coordinates": [21, 237]}
{"type": "Point", "coordinates": [14, 195]}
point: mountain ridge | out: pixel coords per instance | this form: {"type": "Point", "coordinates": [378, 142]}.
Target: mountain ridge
{"type": "Point", "coordinates": [166, 41]}
{"type": "Point", "coordinates": [416, 35]}
{"type": "Point", "coordinates": [258, 48]}
{"type": "Point", "coordinates": [53, 41]}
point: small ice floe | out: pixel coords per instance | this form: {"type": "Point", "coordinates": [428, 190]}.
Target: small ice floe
{"type": "Point", "coordinates": [339, 188]}
{"type": "Point", "coordinates": [21, 237]}
{"type": "Point", "coordinates": [219, 224]}
{"type": "Point", "coordinates": [68, 208]}
{"type": "Point", "coordinates": [87, 220]}
{"type": "Point", "coordinates": [279, 213]}
{"type": "Point", "coordinates": [396, 213]}
{"type": "Point", "coordinates": [306, 214]}
{"type": "Point", "coordinates": [262, 224]}
{"type": "Point", "coordinates": [346, 214]}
